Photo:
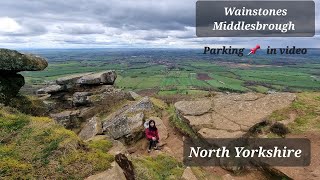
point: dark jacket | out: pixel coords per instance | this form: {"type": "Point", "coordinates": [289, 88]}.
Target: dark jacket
{"type": "Point", "coordinates": [150, 134]}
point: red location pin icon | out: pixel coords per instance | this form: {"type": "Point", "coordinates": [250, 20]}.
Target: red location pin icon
{"type": "Point", "coordinates": [253, 50]}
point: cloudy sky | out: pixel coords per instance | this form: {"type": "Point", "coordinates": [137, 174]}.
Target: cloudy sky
{"type": "Point", "coordinates": [115, 23]}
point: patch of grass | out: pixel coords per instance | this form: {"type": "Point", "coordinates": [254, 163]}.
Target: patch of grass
{"type": "Point", "coordinates": [159, 167]}
{"type": "Point", "coordinates": [201, 174]}
{"type": "Point", "coordinates": [38, 148]}
{"type": "Point", "coordinates": [11, 167]}
{"type": "Point", "coordinates": [307, 112]}
{"type": "Point", "coordinates": [29, 105]}
{"type": "Point", "coordinates": [102, 145]}
{"type": "Point", "coordinates": [280, 115]}
{"type": "Point", "coordinates": [158, 103]}
{"type": "Point", "coordinates": [86, 162]}
{"type": "Point", "coordinates": [9, 123]}
{"type": "Point", "coordinates": [48, 150]}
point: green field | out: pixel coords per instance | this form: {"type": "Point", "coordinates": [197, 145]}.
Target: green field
{"type": "Point", "coordinates": [181, 75]}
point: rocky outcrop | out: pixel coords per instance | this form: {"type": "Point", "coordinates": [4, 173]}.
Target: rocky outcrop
{"type": "Point", "coordinates": [79, 101]}
{"type": "Point", "coordinates": [230, 115]}
{"type": "Point", "coordinates": [127, 123]}
{"type": "Point", "coordinates": [12, 62]}
{"type": "Point", "coordinates": [75, 99]}
{"type": "Point", "coordinates": [80, 82]}
{"type": "Point", "coordinates": [67, 93]}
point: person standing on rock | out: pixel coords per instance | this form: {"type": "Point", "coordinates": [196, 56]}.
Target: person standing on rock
{"type": "Point", "coordinates": [152, 135]}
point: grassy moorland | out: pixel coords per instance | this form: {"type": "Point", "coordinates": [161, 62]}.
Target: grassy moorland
{"type": "Point", "coordinates": [37, 147]}
{"type": "Point", "coordinates": [167, 72]}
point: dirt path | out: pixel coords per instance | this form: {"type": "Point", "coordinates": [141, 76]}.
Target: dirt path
{"type": "Point", "coordinates": [174, 142]}
{"type": "Point", "coordinates": [173, 145]}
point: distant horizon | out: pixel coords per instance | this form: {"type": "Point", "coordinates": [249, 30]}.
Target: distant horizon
{"type": "Point", "coordinates": [140, 48]}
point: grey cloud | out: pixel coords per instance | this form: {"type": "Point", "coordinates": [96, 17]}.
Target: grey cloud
{"type": "Point", "coordinates": [28, 28]}
{"type": "Point", "coordinates": [140, 14]}
{"type": "Point", "coordinates": [119, 23]}
{"type": "Point", "coordinates": [80, 29]}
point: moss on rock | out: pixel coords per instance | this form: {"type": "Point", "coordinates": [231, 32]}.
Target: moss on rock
{"type": "Point", "coordinates": [11, 60]}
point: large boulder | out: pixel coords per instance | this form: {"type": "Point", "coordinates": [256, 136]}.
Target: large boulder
{"type": "Point", "coordinates": [11, 60]}
{"type": "Point", "coordinates": [107, 77]}
{"type": "Point", "coordinates": [91, 128]}
{"type": "Point", "coordinates": [127, 122]}
{"type": "Point", "coordinates": [230, 115]}
{"type": "Point", "coordinates": [71, 80]}
{"type": "Point", "coordinates": [124, 126]}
